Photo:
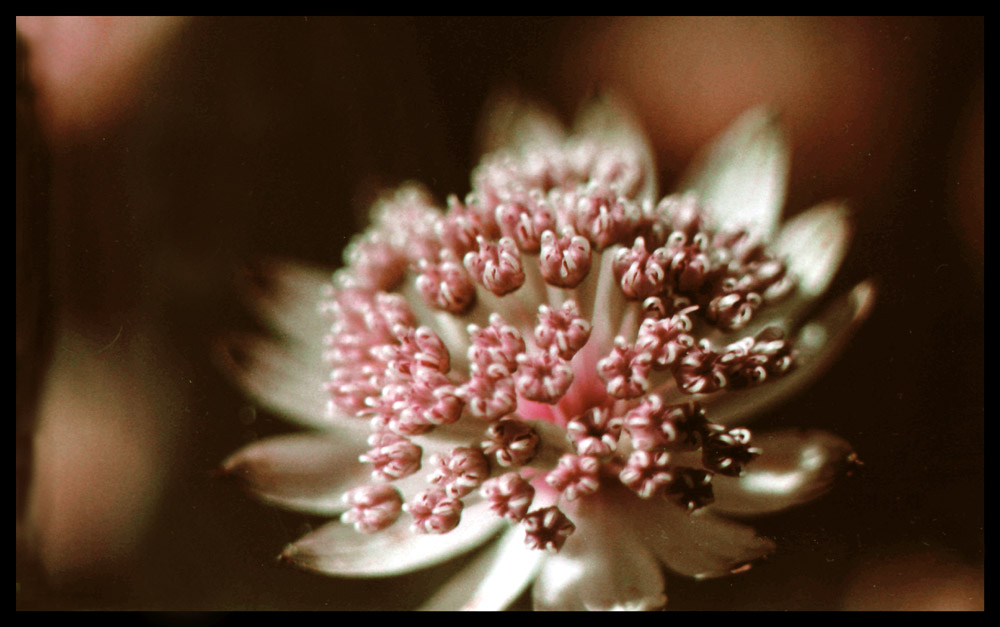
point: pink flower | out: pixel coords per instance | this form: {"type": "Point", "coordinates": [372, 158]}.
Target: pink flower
{"type": "Point", "coordinates": [555, 365]}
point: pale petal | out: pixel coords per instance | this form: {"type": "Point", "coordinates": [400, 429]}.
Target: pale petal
{"type": "Point", "coordinates": [282, 380]}
{"type": "Point", "coordinates": [813, 244]}
{"type": "Point", "coordinates": [741, 177]}
{"type": "Point", "coordinates": [443, 439]}
{"type": "Point", "coordinates": [286, 296]}
{"type": "Point", "coordinates": [304, 472]}
{"type": "Point", "coordinates": [337, 549]}
{"type": "Point", "coordinates": [553, 442]}
{"type": "Point", "coordinates": [699, 544]}
{"type": "Point", "coordinates": [512, 123]}
{"type": "Point", "coordinates": [609, 121]}
{"type": "Point", "coordinates": [817, 345]}
{"type": "Point", "coordinates": [604, 565]}
{"type": "Point", "coordinates": [794, 467]}
{"type": "Point", "coordinates": [493, 580]}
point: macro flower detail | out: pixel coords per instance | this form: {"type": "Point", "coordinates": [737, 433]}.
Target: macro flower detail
{"type": "Point", "coordinates": [373, 507]}
{"type": "Point", "coordinates": [547, 528]}
{"type": "Point", "coordinates": [509, 495]}
{"type": "Point", "coordinates": [560, 359]}
{"type": "Point", "coordinates": [434, 511]}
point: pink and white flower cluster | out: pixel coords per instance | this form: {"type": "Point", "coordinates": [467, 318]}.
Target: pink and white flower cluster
{"type": "Point", "coordinates": [558, 359]}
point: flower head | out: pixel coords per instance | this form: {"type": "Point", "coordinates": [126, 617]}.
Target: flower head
{"type": "Point", "coordinates": [559, 357]}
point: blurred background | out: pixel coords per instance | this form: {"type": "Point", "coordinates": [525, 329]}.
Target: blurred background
{"type": "Point", "coordinates": [158, 158]}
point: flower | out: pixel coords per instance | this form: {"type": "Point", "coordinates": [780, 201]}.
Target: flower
{"type": "Point", "coordinates": [559, 360]}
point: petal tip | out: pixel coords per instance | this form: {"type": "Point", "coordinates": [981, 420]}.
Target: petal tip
{"type": "Point", "coordinates": [266, 280]}
{"type": "Point", "coordinates": [837, 211]}
{"type": "Point", "coordinates": [287, 556]}
{"type": "Point", "coordinates": [294, 555]}
{"type": "Point", "coordinates": [220, 472]}
{"type": "Point", "coordinates": [863, 298]}
{"type": "Point", "coordinates": [759, 126]}
{"type": "Point", "coordinates": [512, 122]}
{"type": "Point", "coordinates": [795, 467]}
{"type": "Point", "coordinates": [741, 176]}
{"type": "Point", "coordinates": [232, 353]}
{"type": "Point", "coordinates": [814, 244]}
{"type": "Point", "coordinates": [237, 356]}
{"type": "Point", "coordinates": [257, 276]}
{"type": "Point", "coordinates": [234, 468]}
{"type": "Point", "coordinates": [757, 123]}
{"type": "Point", "coordinates": [606, 112]}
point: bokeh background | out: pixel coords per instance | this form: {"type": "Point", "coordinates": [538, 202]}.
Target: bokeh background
{"type": "Point", "coordinates": [158, 158]}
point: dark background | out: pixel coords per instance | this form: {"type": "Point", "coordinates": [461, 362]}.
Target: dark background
{"type": "Point", "coordinates": [258, 138]}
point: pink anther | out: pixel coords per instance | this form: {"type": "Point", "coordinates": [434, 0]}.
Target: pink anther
{"type": "Point", "coordinates": [733, 310]}
{"type": "Point", "coordinates": [434, 511]}
{"type": "Point", "coordinates": [542, 376]}
{"type": "Point", "coordinates": [647, 472]}
{"type": "Point", "coordinates": [595, 432]}
{"type": "Point", "coordinates": [496, 266]}
{"type": "Point", "coordinates": [372, 507]}
{"type": "Point", "coordinates": [461, 226]}
{"type": "Point", "coordinates": [701, 371]}
{"type": "Point", "coordinates": [392, 457]}
{"type": "Point", "coordinates": [509, 496]}
{"type": "Point", "coordinates": [602, 217]}
{"type": "Point", "coordinates": [445, 284]}
{"type": "Point", "coordinates": [562, 330]}
{"type": "Point", "coordinates": [665, 340]}
{"type": "Point", "coordinates": [460, 472]}
{"type": "Point", "coordinates": [510, 442]}
{"type": "Point", "coordinates": [489, 393]}
{"type": "Point", "coordinates": [524, 222]}
{"type": "Point", "coordinates": [565, 260]}
{"type": "Point", "coordinates": [415, 406]}
{"type": "Point", "coordinates": [688, 264]}
{"type": "Point", "coordinates": [547, 529]}
{"type": "Point", "coordinates": [640, 273]}
{"type": "Point", "coordinates": [415, 349]}
{"type": "Point", "coordinates": [498, 343]}
{"type": "Point", "coordinates": [625, 370]}
{"type": "Point", "coordinates": [575, 476]}
{"type": "Point", "coordinates": [653, 425]}
{"type": "Point", "coordinates": [683, 213]}
{"type": "Point", "coordinates": [375, 262]}
{"type": "Point", "coordinates": [350, 388]}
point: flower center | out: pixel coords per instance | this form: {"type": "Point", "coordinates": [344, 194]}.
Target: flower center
{"type": "Point", "coordinates": [561, 331]}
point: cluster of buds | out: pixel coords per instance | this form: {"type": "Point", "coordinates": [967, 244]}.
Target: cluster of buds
{"type": "Point", "coordinates": [552, 295]}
